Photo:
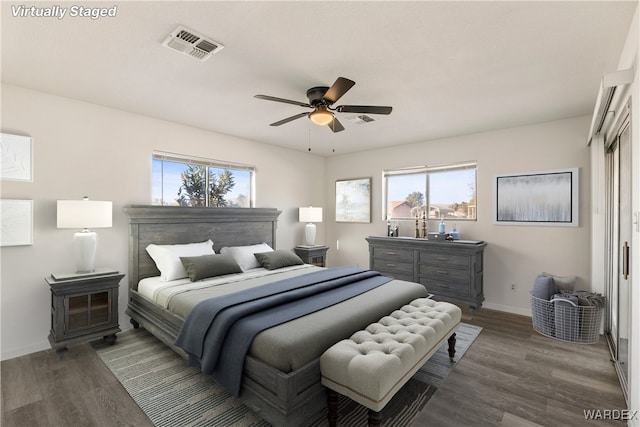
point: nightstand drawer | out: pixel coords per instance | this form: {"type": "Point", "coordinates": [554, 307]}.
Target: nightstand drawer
{"type": "Point", "coordinates": [444, 259]}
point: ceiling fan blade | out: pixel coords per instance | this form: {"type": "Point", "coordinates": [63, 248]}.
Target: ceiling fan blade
{"type": "Point", "coordinates": [339, 88]}
{"type": "Point", "coordinates": [364, 109]}
{"type": "Point", "coordinates": [335, 125]}
{"type": "Point", "coordinates": [289, 119]}
{"type": "Point", "coordinates": [286, 101]}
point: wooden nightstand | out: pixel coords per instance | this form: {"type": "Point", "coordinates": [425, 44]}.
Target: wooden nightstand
{"type": "Point", "coordinates": [84, 307]}
{"type": "Point", "coordinates": [316, 255]}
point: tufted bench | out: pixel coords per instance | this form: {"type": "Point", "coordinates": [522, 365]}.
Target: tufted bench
{"type": "Point", "coordinates": [372, 365]}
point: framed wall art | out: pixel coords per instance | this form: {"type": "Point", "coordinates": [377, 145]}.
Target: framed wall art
{"type": "Point", "coordinates": [537, 198]}
{"type": "Point", "coordinates": [353, 200]}
{"type": "Point", "coordinates": [16, 157]}
{"type": "Point", "coordinates": [16, 222]}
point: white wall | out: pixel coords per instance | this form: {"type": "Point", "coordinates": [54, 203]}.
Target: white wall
{"type": "Point", "coordinates": [515, 254]}
{"type": "Point", "coordinates": [85, 149]}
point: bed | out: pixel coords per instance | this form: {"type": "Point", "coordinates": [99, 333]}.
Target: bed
{"type": "Point", "coordinates": [281, 385]}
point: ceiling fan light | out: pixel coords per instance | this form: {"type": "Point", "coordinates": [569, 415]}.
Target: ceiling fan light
{"type": "Point", "coordinates": [321, 117]}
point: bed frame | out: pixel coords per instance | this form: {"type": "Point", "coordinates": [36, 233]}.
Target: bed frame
{"type": "Point", "coordinates": [283, 399]}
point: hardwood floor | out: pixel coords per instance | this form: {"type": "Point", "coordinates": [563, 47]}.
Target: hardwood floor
{"type": "Point", "coordinates": [511, 376]}
{"type": "Point", "coordinates": [44, 390]}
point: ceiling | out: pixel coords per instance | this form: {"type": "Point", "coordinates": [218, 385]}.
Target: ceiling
{"type": "Point", "coordinates": [447, 68]}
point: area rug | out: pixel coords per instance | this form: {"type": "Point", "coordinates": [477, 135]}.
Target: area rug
{"type": "Point", "coordinates": [173, 394]}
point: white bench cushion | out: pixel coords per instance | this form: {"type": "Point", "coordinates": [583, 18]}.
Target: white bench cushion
{"type": "Point", "coordinates": [372, 365]}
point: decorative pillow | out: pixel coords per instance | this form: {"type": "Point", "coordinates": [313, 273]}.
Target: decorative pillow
{"type": "Point", "coordinates": [244, 254]}
{"type": "Point", "coordinates": [167, 257]}
{"type": "Point", "coordinates": [544, 287]}
{"type": "Point", "coordinates": [277, 259]}
{"type": "Point", "coordinates": [203, 266]}
{"type": "Point", "coordinates": [565, 283]}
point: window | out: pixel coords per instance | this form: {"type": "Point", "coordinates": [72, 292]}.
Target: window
{"type": "Point", "coordinates": [185, 181]}
{"type": "Point", "coordinates": [443, 191]}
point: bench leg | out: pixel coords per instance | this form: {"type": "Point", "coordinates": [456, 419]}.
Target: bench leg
{"type": "Point", "coordinates": [375, 418]}
{"type": "Point", "coordinates": [452, 346]}
{"type": "Point", "coordinates": [332, 406]}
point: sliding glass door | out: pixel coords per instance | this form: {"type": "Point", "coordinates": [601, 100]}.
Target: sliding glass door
{"type": "Point", "coordinates": [619, 227]}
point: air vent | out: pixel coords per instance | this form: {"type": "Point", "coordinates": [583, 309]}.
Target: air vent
{"type": "Point", "coordinates": [191, 43]}
{"type": "Point", "coordinates": [361, 119]}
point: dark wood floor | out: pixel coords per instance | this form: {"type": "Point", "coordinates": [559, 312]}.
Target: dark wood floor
{"type": "Point", "coordinates": [511, 376]}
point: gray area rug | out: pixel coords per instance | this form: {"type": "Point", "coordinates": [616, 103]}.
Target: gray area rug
{"type": "Point", "coordinates": [173, 394]}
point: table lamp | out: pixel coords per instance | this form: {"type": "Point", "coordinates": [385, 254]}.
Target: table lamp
{"type": "Point", "coordinates": [310, 215]}
{"type": "Point", "coordinates": [84, 214]}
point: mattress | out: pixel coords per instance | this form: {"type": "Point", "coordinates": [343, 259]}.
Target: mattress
{"type": "Point", "coordinates": [294, 344]}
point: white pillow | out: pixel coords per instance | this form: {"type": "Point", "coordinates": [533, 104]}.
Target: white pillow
{"type": "Point", "coordinates": [244, 254]}
{"type": "Point", "coordinates": [167, 257]}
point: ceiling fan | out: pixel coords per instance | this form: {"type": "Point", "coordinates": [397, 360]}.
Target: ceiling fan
{"type": "Point", "coordinates": [321, 99]}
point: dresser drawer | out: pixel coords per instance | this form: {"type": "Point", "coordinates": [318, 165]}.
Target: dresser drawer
{"type": "Point", "coordinates": [393, 254]}
{"type": "Point", "coordinates": [443, 273]}
{"type": "Point", "coordinates": [443, 287]}
{"type": "Point", "coordinates": [435, 258]}
{"type": "Point", "coordinates": [398, 270]}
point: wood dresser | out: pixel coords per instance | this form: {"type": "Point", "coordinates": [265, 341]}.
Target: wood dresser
{"type": "Point", "coordinates": [449, 270]}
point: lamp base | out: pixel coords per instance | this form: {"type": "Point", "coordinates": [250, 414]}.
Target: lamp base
{"type": "Point", "coordinates": [84, 250]}
{"type": "Point", "coordinates": [310, 234]}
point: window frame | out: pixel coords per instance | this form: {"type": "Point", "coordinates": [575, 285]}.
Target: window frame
{"type": "Point", "coordinates": [207, 163]}
{"type": "Point", "coordinates": [427, 170]}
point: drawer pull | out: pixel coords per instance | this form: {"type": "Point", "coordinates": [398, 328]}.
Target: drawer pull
{"type": "Point", "coordinates": [391, 265]}
{"type": "Point", "coordinates": [442, 258]}
{"type": "Point", "coordinates": [392, 253]}
{"type": "Point", "coordinates": [442, 272]}
{"type": "Point", "coordinates": [441, 285]}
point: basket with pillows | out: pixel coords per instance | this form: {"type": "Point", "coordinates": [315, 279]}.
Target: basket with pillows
{"type": "Point", "coordinates": [559, 311]}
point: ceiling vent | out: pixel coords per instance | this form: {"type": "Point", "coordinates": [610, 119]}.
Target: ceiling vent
{"type": "Point", "coordinates": [191, 43]}
{"type": "Point", "coordinates": [361, 119]}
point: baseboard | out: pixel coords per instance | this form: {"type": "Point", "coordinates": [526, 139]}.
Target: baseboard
{"type": "Point", "coordinates": [508, 309]}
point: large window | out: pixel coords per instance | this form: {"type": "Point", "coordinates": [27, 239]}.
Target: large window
{"type": "Point", "coordinates": [447, 192]}
{"type": "Point", "coordinates": [185, 181]}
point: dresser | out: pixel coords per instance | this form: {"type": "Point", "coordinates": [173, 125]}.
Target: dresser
{"type": "Point", "coordinates": [450, 271]}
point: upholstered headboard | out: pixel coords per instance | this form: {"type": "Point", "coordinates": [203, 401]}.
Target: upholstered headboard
{"type": "Point", "coordinates": [166, 225]}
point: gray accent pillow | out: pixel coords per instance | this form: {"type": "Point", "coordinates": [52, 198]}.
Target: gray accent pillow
{"type": "Point", "coordinates": [565, 283]}
{"type": "Point", "coordinates": [278, 259]}
{"type": "Point", "coordinates": [201, 267]}
{"type": "Point", "coordinates": [544, 287]}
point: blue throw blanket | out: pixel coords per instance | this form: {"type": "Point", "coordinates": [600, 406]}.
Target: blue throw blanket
{"type": "Point", "coordinates": [218, 332]}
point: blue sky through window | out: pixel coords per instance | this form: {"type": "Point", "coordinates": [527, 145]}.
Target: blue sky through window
{"type": "Point", "coordinates": [166, 182]}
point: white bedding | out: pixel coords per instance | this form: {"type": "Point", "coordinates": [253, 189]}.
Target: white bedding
{"type": "Point", "coordinates": [161, 292]}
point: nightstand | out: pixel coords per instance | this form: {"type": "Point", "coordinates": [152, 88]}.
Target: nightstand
{"type": "Point", "coordinates": [316, 255]}
{"type": "Point", "coordinates": [84, 307]}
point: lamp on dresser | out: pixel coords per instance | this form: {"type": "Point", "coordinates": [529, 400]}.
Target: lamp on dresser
{"type": "Point", "coordinates": [310, 215]}
{"type": "Point", "coordinates": [84, 214]}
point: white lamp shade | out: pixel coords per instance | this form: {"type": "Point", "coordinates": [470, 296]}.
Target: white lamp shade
{"type": "Point", "coordinates": [310, 214]}
{"type": "Point", "coordinates": [84, 214]}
